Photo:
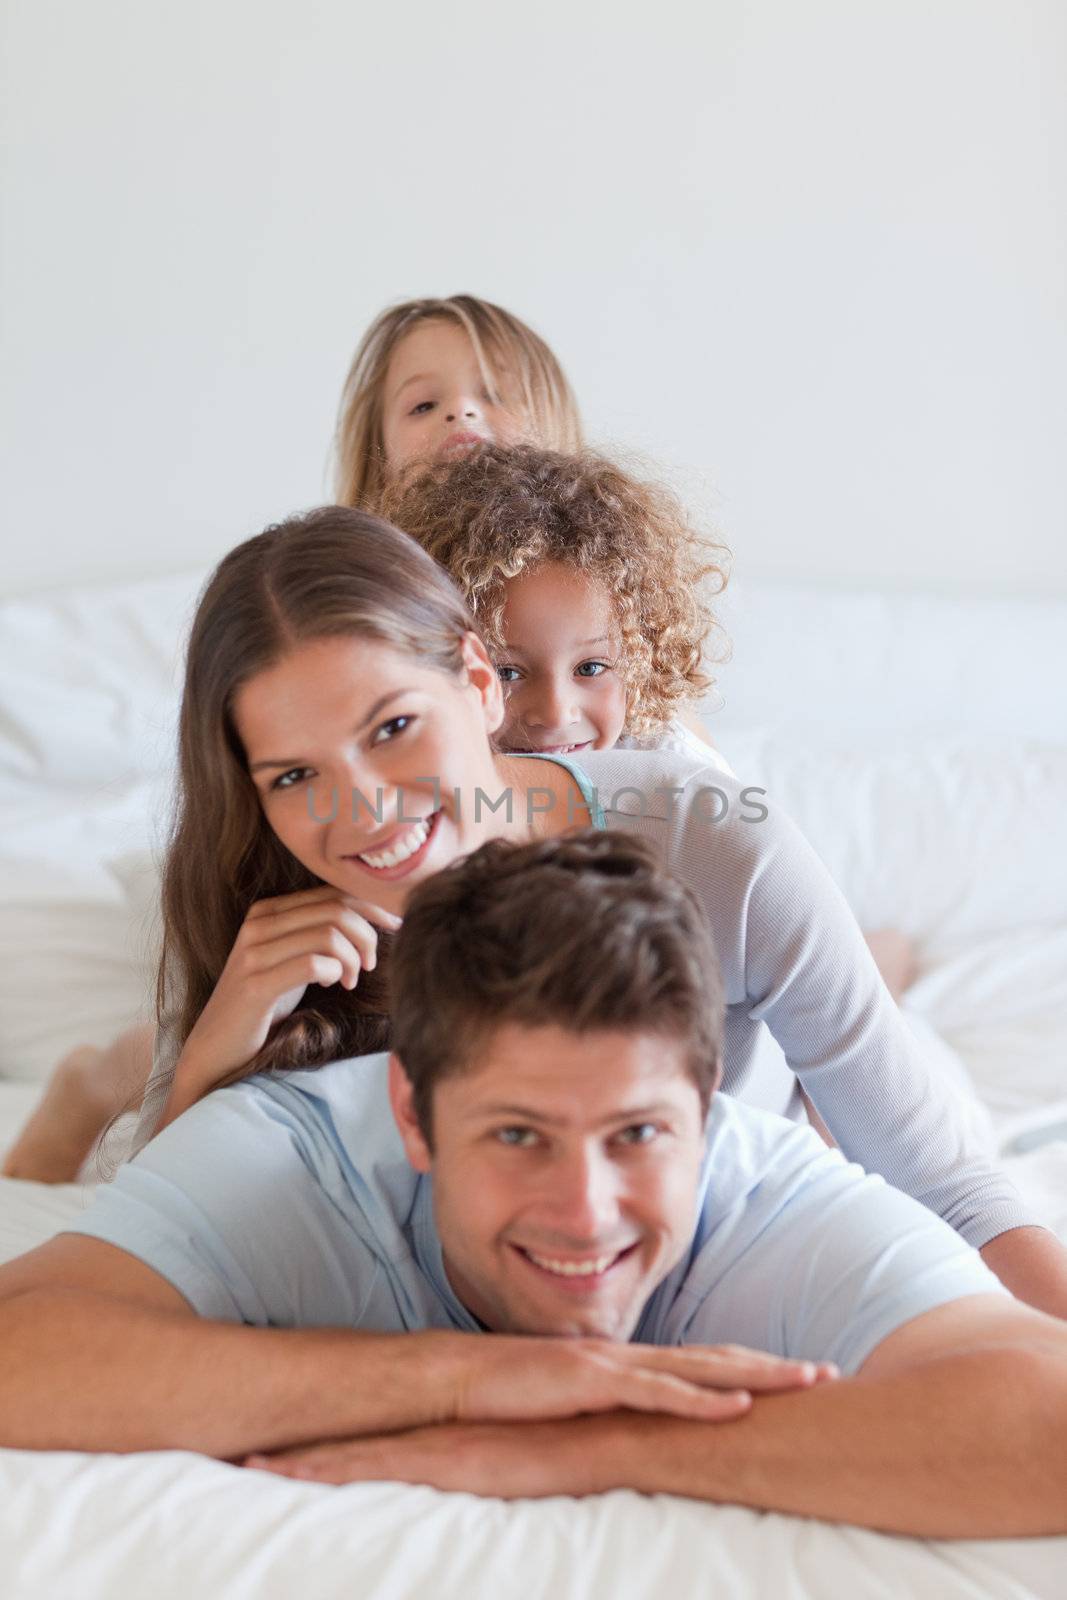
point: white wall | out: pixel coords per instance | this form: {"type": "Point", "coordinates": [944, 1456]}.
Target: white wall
{"type": "Point", "coordinates": [809, 256]}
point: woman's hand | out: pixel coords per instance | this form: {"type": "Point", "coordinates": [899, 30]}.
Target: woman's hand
{"type": "Point", "coordinates": [314, 936]}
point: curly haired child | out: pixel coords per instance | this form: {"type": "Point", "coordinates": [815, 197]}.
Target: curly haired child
{"type": "Point", "coordinates": [590, 587]}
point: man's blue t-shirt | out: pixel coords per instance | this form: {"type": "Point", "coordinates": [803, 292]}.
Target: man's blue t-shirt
{"type": "Point", "coordinates": [288, 1201]}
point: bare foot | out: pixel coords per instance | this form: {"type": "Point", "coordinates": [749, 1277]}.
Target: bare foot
{"type": "Point", "coordinates": [895, 957]}
{"type": "Point", "coordinates": [87, 1089]}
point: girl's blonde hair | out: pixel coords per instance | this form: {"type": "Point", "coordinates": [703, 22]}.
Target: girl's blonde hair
{"type": "Point", "coordinates": [500, 511]}
{"type": "Point", "coordinates": [502, 343]}
{"type": "Point", "coordinates": [333, 573]}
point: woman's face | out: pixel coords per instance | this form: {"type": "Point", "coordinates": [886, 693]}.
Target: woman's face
{"type": "Point", "coordinates": [436, 405]}
{"type": "Point", "coordinates": [367, 762]}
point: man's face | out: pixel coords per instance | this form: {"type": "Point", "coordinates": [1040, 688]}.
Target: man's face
{"type": "Point", "coordinates": [565, 1172]}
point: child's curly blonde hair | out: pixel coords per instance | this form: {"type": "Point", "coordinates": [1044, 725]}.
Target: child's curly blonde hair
{"type": "Point", "coordinates": [501, 511]}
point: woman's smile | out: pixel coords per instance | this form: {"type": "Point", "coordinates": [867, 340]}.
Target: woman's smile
{"type": "Point", "coordinates": [401, 751]}
{"type": "Point", "coordinates": [402, 851]}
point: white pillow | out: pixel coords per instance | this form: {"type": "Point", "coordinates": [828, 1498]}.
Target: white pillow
{"type": "Point", "coordinates": [1002, 1003]}
{"type": "Point", "coordinates": [948, 839]}
{"type": "Point", "coordinates": [89, 685]}
{"type": "Point", "coordinates": [78, 931]}
{"type": "Point", "coordinates": [89, 682]}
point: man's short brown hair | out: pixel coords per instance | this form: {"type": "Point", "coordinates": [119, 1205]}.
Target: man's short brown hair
{"type": "Point", "coordinates": [587, 932]}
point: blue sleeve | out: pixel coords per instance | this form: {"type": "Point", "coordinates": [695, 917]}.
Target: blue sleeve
{"type": "Point", "coordinates": [827, 1267]}
{"type": "Point", "coordinates": [231, 1206]}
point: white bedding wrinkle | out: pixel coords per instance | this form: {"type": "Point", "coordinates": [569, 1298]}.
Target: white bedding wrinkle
{"type": "Point", "coordinates": [172, 1525]}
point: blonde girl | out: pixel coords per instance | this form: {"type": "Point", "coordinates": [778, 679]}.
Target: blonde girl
{"type": "Point", "coordinates": [435, 379]}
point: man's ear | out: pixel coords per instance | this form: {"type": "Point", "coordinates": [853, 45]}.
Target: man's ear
{"type": "Point", "coordinates": [402, 1100]}
{"type": "Point", "coordinates": [483, 677]}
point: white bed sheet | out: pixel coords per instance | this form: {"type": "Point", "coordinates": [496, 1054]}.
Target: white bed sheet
{"type": "Point", "coordinates": [170, 1526]}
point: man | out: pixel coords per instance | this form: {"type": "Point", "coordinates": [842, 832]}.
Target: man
{"type": "Point", "coordinates": [522, 1255]}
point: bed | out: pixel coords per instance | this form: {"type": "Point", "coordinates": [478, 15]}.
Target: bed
{"type": "Point", "coordinates": [922, 745]}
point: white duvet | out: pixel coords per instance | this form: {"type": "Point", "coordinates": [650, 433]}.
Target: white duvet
{"type": "Point", "coordinates": [171, 1526]}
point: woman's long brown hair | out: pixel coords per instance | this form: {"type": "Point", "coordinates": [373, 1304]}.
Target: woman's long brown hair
{"type": "Point", "coordinates": [334, 572]}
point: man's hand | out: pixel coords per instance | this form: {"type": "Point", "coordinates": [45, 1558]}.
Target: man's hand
{"type": "Point", "coordinates": [955, 1428]}
{"type": "Point", "coordinates": [515, 1436]}
{"type": "Point", "coordinates": [505, 1460]}
{"type": "Point", "coordinates": [510, 1379]}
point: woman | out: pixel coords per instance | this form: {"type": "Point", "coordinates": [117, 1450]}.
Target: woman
{"type": "Point", "coordinates": [336, 748]}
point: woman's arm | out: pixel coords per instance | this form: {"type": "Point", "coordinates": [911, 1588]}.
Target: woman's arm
{"type": "Point", "coordinates": [1032, 1263]}
{"type": "Point", "coordinates": [793, 956]}
{"type": "Point", "coordinates": [313, 936]}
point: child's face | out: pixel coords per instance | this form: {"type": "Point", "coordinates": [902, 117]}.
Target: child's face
{"type": "Point", "coordinates": [562, 687]}
{"type": "Point", "coordinates": [436, 405]}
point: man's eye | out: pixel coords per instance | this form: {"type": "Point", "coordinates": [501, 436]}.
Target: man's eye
{"type": "Point", "coordinates": [391, 729]}
{"type": "Point", "coordinates": [591, 669]}
{"type": "Point", "coordinates": [639, 1133]}
{"type": "Point", "coordinates": [287, 780]}
{"type": "Point", "coordinates": [517, 1138]}
{"type": "Point", "coordinates": [508, 674]}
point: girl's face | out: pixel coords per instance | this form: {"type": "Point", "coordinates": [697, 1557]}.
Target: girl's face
{"type": "Point", "coordinates": [436, 405]}
{"type": "Point", "coordinates": [560, 668]}
{"type": "Point", "coordinates": [366, 762]}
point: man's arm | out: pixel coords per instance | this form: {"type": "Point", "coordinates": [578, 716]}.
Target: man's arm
{"type": "Point", "coordinates": [99, 1352]}
{"type": "Point", "coordinates": [956, 1427]}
